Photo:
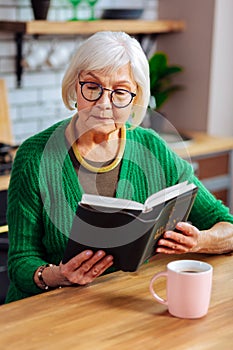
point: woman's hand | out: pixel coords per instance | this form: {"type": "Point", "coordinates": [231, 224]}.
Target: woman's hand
{"type": "Point", "coordinates": [179, 242]}
{"type": "Point", "coordinates": [85, 267]}
{"type": "Point", "coordinates": [82, 269]}
{"type": "Point", "coordinates": [216, 240]}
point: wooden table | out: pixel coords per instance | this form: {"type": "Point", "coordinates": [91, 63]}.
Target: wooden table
{"type": "Point", "coordinates": [117, 312]}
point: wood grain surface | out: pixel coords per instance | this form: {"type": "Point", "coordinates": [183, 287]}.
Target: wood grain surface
{"type": "Point", "coordinates": [90, 27]}
{"type": "Point", "coordinates": [118, 312]}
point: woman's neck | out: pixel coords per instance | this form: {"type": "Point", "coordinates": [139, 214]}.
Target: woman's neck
{"type": "Point", "coordinates": [94, 145]}
{"type": "Point", "coordinates": [97, 146]}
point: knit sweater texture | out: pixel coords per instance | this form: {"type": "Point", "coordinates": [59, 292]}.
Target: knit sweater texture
{"type": "Point", "coordinates": [44, 193]}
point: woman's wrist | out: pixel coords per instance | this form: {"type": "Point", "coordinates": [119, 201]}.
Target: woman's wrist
{"type": "Point", "coordinates": [216, 240]}
{"type": "Point", "coordinates": [40, 271]}
{"type": "Point", "coordinates": [49, 277]}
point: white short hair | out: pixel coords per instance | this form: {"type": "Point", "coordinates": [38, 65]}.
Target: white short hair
{"type": "Point", "coordinates": [109, 51]}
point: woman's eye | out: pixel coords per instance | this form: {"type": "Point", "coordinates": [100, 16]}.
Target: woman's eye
{"type": "Point", "coordinates": [120, 92]}
{"type": "Point", "coordinates": [92, 87]}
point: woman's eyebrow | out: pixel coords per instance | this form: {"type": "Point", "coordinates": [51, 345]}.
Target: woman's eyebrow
{"type": "Point", "coordinates": [124, 82]}
{"type": "Point", "coordinates": [97, 77]}
{"type": "Point", "coordinates": [91, 74]}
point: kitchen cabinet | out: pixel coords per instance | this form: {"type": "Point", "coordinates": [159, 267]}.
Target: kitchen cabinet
{"type": "Point", "coordinates": [4, 280]}
{"type": "Point", "coordinates": [213, 160]}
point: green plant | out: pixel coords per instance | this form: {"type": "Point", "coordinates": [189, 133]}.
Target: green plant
{"type": "Point", "coordinates": [161, 84]}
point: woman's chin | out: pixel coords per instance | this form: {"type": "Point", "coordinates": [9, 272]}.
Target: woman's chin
{"type": "Point", "coordinates": [104, 127]}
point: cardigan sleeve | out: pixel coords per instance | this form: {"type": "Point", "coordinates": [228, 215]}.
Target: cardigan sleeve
{"type": "Point", "coordinates": [24, 221]}
{"type": "Point", "coordinates": [208, 210]}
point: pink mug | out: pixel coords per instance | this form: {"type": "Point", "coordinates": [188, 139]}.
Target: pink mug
{"type": "Point", "coordinates": [189, 284]}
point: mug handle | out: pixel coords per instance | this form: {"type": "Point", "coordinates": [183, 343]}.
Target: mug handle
{"type": "Point", "coordinates": [158, 298]}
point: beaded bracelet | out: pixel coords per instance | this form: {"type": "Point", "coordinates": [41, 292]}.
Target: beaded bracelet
{"type": "Point", "coordinates": [40, 277]}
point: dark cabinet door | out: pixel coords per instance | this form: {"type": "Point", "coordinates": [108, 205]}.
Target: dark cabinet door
{"type": "Point", "coordinates": [4, 280]}
{"type": "Point", "coordinates": [3, 207]}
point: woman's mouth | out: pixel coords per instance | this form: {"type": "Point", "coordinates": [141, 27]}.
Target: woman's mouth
{"type": "Point", "coordinates": [101, 118]}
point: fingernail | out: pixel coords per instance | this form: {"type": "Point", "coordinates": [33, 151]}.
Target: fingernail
{"type": "Point", "coordinates": [88, 253]}
{"type": "Point", "coordinates": [167, 234]}
{"type": "Point", "coordinates": [100, 253]}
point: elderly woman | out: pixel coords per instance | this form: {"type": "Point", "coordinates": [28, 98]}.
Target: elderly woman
{"type": "Point", "coordinates": [100, 150]}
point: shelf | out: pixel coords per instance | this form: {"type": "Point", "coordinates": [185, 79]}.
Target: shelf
{"type": "Point", "coordinates": [36, 28]}
{"type": "Point", "coordinates": [204, 145]}
{"type": "Point", "coordinates": [85, 27]}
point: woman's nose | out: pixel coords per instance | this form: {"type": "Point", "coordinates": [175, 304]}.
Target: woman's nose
{"type": "Point", "coordinates": [106, 98]}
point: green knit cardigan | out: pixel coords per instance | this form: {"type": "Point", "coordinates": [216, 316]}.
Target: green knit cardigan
{"type": "Point", "coordinates": [44, 193]}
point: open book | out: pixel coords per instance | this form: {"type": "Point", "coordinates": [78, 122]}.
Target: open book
{"type": "Point", "coordinates": [126, 229]}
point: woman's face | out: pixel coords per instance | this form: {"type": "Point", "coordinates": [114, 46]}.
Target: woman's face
{"type": "Point", "coordinates": [101, 115]}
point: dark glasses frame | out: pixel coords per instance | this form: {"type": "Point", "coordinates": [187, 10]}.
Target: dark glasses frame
{"type": "Point", "coordinates": [83, 83]}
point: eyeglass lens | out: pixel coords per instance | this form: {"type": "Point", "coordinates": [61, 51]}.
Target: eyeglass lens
{"type": "Point", "coordinates": [93, 91]}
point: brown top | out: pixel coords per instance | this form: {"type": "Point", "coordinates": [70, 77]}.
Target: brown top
{"type": "Point", "coordinates": [103, 184]}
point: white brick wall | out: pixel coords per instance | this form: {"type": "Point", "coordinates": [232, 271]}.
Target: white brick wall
{"type": "Point", "coordinates": [38, 104]}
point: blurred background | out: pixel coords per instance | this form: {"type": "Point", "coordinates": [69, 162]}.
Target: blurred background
{"type": "Point", "coordinates": [37, 103]}
{"type": "Point", "coordinates": [204, 50]}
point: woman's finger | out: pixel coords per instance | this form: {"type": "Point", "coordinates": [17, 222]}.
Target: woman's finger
{"type": "Point", "coordinates": [179, 238]}
{"type": "Point", "coordinates": [86, 266]}
{"type": "Point", "coordinates": [97, 270]}
{"type": "Point", "coordinates": [171, 247]}
{"type": "Point", "coordinates": [93, 261]}
{"type": "Point", "coordinates": [77, 260]}
{"type": "Point", "coordinates": [179, 242]}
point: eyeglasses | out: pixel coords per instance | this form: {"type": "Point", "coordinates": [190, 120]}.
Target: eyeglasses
{"type": "Point", "coordinates": [120, 98]}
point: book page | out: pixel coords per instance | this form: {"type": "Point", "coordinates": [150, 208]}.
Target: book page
{"type": "Point", "coordinates": [166, 194]}
{"type": "Point", "coordinates": [155, 199]}
{"type": "Point", "coordinates": [109, 202]}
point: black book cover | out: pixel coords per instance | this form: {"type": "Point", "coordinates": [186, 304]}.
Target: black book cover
{"type": "Point", "coordinates": [129, 235]}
